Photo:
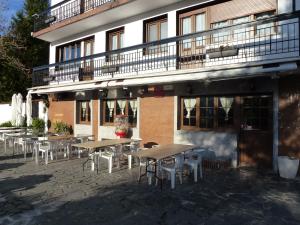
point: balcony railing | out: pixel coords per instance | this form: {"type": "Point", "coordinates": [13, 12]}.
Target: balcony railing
{"type": "Point", "coordinates": [65, 10]}
{"type": "Point", "coordinates": [275, 38]}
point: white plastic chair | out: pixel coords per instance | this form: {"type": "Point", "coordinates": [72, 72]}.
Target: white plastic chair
{"type": "Point", "coordinates": [193, 160]}
{"type": "Point", "coordinates": [173, 169]}
{"type": "Point", "coordinates": [111, 153]}
{"type": "Point", "coordinates": [46, 148]}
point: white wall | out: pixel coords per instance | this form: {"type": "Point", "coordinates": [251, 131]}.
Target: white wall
{"type": "Point", "coordinates": [5, 112]}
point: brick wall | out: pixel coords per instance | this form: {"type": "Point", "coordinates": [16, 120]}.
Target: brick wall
{"type": "Point", "coordinates": [157, 119]}
{"type": "Point", "coordinates": [61, 111]}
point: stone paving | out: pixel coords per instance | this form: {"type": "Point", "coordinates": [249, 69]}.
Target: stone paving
{"type": "Point", "coordinates": [62, 194]}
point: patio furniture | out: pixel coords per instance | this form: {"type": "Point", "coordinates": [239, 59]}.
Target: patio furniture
{"type": "Point", "coordinates": [157, 154]}
{"type": "Point", "coordinates": [129, 149]}
{"type": "Point", "coordinates": [173, 169]}
{"type": "Point", "coordinates": [110, 153]}
{"type": "Point", "coordinates": [46, 148]}
{"type": "Point", "coordinates": [92, 146]}
{"type": "Point", "coordinates": [193, 159]}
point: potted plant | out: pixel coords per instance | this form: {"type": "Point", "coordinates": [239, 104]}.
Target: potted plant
{"type": "Point", "coordinates": [288, 166]}
{"type": "Point", "coordinates": [222, 51]}
{"type": "Point", "coordinates": [38, 126]}
{"type": "Point", "coordinates": [62, 128]}
{"type": "Point", "coordinates": [121, 123]}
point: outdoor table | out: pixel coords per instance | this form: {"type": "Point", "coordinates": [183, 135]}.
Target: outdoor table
{"type": "Point", "coordinates": [81, 137]}
{"type": "Point", "coordinates": [3, 132]}
{"type": "Point", "coordinates": [44, 139]}
{"type": "Point", "coordinates": [159, 153]}
{"type": "Point", "coordinates": [10, 135]}
{"type": "Point", "coordinates": [91, 146]}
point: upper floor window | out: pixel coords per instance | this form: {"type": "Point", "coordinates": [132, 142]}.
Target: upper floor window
{"type": "Point", "coordinates": [264, 29]}
{"type": "Point", "coordinates": [191, 22]}
{"type": "Point", "coordinates": [220, 36]}
{"type": "Point", "coordinates": [114, 107]}
{"type": "Point", "coordinates": [68, 52]}
{"type": "Point", "coordinates": [207, 112]}
{"type": "Point", "coordinates": [115, 40]}
{"type": "Point", "coordinates": [156, 29]}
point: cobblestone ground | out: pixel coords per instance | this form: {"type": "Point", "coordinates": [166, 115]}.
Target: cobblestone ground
{"type": "Point", "coordinates": [61, 193]}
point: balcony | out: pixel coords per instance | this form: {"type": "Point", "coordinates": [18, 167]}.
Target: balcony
{"type": "Point", "coordinates": [266, 42]}
{"type": "Point", "coordinates": [71, 17]}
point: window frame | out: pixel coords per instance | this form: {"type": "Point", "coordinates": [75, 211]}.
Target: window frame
{"type": "Point", "coordinates": [198, 114]}
{"type": "Point", "coordinates": [157, 21]}
{"type": "Point", "coordinates": [88, 113]}
{"type": "Point", "coordinates": [104, 107]}
{"type": "Point", "coordinates": [193, 14]}
{"type": "Point", "coordinates": [109, 34]}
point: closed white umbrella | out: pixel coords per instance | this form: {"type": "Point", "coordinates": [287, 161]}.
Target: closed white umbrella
{"type": "Point", "coordinates": [29, 109]}
{"type": "Point", "coordinates": [13, 109]}
{"type": "Point", "coordinates": [19, 110]}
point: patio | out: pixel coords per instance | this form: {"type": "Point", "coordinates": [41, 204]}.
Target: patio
{"type": "Point", "coordinates": [60, 193]}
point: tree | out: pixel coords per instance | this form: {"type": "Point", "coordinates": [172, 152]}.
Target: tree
{"type": "Point", "coordinates": [19, 51]}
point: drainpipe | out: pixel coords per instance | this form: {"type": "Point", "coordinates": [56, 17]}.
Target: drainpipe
{"type": "Point", "coordinates": [275, 124]}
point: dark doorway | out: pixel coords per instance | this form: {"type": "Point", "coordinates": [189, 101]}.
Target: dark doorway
{"type": "Point", "coordinates": [256, 133]}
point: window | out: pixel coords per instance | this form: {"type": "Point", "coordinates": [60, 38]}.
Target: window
{"type": "Point", "coordinates": [256, 112]}
{"type": "Point", "coordinates": [112, 108]}
{"type": "Point", "coordinates": [68, 52]}
{"type": "Point", "coordinates": [264, 29]}
{"type": "Point", "coordinates": [220, 36]}
{"type": "Point", "coordinates": [192, 22]}
{"type": "Point", "coordinates": [115, 41]}
{"type": "Point", "coordinates": [241, 33]}
{"type": "Point", "coordinates": [207, 112]}
{"type": "Point", "coordinates": [84, 112]}
{"type": "Point", "coordinates": [155, 30]}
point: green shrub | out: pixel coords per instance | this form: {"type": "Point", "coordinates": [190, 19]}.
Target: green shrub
{"type": "Point", "coordinates": [6, 124]}
{"type": "Point", "coordinates": [62, 128]}
{"type": "Point", "coordinates": [38, 126]}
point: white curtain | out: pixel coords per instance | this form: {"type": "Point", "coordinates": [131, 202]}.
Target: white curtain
{"type": "Point", "coordinates": [111, 107]}
{"type": "Point", "coordinates": [13, 109]}
{"type": "Point", "coordinates": [226, 105]}
{"type": "Point", "coordinates": [189, 104]}
{"type": "Point", "coordinates": [29, 109]}
{"type": "Point", "coordinates": [133, 105]}
{"type": "Point", "coordinates": [122, 104]}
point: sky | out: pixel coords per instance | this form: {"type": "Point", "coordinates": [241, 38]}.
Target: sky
{"type": "Point", "coordinates": [13, 6]}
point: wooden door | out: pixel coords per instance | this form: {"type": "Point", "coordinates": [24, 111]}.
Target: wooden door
{"type": "Point", "coordinates": [256, 135]}
{"type": "Point", "coordinates": [88, 64]}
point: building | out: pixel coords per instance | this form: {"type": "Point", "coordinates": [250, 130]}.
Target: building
{"type": "Point", "coordinates": [220, 74]}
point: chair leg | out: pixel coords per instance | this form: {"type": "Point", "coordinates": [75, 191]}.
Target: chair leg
{"type": "Point", "coordinates": [46, 157]}
{"type": "Point", "coordinates": [195, 173]}
{"type": "Point", "coordinates": [110, 165]}
{"type": "Point", "coordinates": [200, 170]}
{"type": "Point", "coordinates": [173, 179]}
{"type": "Point", "coordinates": [51, 155]}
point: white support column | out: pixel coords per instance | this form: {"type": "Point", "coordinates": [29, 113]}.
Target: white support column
{"type": "Point", "coordinates": [275, 124]}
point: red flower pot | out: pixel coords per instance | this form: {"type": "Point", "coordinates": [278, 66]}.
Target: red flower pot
{"type": "Point", "coordinates": [121, 134]}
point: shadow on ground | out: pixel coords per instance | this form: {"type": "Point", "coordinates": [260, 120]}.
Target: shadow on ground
{"type": "Point", "coordinates": [223, 197]}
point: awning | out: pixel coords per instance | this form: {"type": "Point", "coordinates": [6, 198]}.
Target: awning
{"type": "Point", "coordinates": [65, 88]}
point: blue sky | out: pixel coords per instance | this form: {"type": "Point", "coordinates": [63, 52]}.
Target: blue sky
{"type": "Point", "coordinates": [13, 6]}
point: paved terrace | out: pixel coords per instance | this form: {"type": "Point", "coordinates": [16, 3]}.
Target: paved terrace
{"type": "Point", "coordinates": [61, 193]}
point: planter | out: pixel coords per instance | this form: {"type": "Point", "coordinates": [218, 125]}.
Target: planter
{"type": "Point", "coordinates": [109, 69]}
{"type": "Point", "coordinates": [121, 134]}
{"type": "Point", "coordinates": [222, 52]}
{"type": "Point", "coordinates": [288, 167]}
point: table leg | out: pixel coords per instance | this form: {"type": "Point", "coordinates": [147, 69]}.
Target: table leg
{"type": "Point", "coordinates": [92, 163]}
{"type": "Point", "coordinates": [36, 150]}
{"type": "Point", "coordinates": [5, 144]}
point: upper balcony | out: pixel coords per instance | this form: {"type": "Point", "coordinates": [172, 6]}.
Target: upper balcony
{"type": "Point", "coordinates": [265, 43]}
{"type": "Point", "coordinates": [71, 17]}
